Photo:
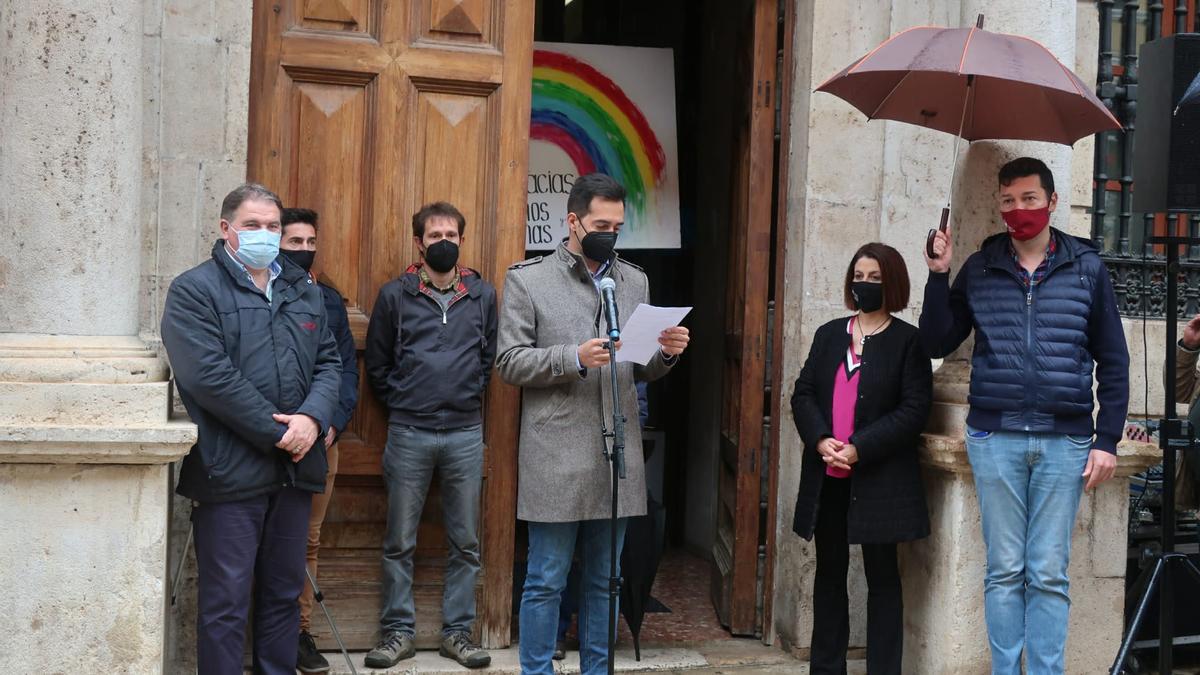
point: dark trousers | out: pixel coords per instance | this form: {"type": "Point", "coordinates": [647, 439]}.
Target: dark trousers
{"type": "Point", "coordinates": [831, 614]}
{"type": "Point", "coordinates": [253, 545]}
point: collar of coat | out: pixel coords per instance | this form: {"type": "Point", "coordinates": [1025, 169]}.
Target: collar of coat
{"type": "Point", "coordinates": [995, 248]}
{"type": "Point", "coordinates": [468, 282]}
{"type": "Point", "coordinates": [579, 268]}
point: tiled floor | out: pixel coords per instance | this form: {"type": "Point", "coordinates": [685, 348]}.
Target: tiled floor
{"type": "Point", "coordinates": [682, 584]}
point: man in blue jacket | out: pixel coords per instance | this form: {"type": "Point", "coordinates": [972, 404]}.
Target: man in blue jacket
{"type": "Point", "coordinates": [1042, 307]}
{"type": "Point", "coordinates": [258, 370]}
{"type": "Point", "coordinates": [299, 244]}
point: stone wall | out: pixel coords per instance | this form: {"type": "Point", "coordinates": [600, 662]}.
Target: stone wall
{"type": "Point", "coordinates": [85, 439]}
{"type": "Point", "coordinates": [195, 104]}
{"type": "Point", "coordinates": [69, 168]}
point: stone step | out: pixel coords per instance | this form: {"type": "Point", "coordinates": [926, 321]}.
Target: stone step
{"type": "Point", "coordinates": [95, 444]}
{"type": "Point", "coordinates": [78, 404]}
{"type": "Point", "coordinates": [661, 660]}
{"type": "Point", "coordinates": [75, 358]}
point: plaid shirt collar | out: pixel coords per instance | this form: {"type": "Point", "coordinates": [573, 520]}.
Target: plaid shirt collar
{"type": "Point", "coordinates": [1035, 278]}
{"type": "Point", "coordinates": [428, 283]}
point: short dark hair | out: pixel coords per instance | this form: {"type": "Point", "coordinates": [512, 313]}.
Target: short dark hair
{"type": "Point", "coordinates": [437, 210]}
{"type": "Point", "coordinates": [893, 271]}
{"type": "Point", "coordinates": [244, 193]}
{"type": "Point", "coordinates": [292, 216]}
{"type": "Point", "coordinates": [587, 188]}
{"type": "Point", "coordinates": [1028, 166]}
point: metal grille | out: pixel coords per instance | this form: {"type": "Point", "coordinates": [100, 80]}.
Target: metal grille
{"type": "Point", "coordinates": [1137, 268]}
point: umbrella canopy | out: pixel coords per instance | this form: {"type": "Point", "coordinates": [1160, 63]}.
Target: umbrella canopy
{"type": "Point", "coordinates": [974, 84]}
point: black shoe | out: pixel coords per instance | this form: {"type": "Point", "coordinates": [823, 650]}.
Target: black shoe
{"type": "Point", "coordinates": [560, 650]}
{"type": "Point", "coordinates": [308, 659]}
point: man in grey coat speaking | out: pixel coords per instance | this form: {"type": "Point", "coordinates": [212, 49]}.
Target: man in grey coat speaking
{"type": "Point", "coordinates": [550, 345]}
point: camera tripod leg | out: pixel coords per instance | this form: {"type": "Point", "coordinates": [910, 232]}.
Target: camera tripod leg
{"type": "Point", "coordinates": [320, 598]}
{"type": "Point", "coordinates": [1143, 603]}
{"type": "Point", "coordinates": [179, 568]}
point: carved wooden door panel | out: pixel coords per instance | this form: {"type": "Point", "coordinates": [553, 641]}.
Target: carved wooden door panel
{"type": "Point", "coordinates": [364, 110]}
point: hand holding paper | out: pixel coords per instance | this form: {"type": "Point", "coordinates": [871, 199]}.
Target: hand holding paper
{"type": "Point", "coordinates": [673, 340]}
{"type": "Point", "coordinates": [643, 333]}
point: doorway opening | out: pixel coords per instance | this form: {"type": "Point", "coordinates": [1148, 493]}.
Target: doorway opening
{"type": "Point", "coordinates": [696, 451]}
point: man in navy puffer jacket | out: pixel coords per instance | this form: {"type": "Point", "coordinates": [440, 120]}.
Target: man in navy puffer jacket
{"type": "Point", "coordinates": [1042, 306]}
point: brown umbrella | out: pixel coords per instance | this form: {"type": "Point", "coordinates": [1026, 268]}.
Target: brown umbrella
{"type": "Point", "coordinates": [974, 84]}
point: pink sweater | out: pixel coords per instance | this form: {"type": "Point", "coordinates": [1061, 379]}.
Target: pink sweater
{"type": "Point", "coordinates": [845, 399]}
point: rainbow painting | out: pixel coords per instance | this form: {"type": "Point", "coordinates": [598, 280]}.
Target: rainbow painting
{"type": "Point", "coordinates": [581, 108]}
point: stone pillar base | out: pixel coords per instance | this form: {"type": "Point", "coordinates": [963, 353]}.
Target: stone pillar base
{"type": "Point", "coordinates": [85, 487]}
{"type": "Point", "coordinates": [945, 631]}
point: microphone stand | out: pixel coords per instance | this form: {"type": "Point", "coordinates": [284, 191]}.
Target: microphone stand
{"type": "Point", "coordinates": [616, 458]}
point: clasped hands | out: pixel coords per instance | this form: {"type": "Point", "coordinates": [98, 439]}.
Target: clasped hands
{"type": "Point", "coordinates": [301, 434]}
{"type": "Point", "coordinates": [836, 453]}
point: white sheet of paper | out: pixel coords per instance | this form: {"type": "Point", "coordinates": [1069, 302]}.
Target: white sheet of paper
{"type": "Point", "coordinates": [639, 333]}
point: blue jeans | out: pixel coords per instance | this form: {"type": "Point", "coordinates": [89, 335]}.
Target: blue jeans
{"type": "Point", "coordinates": [1029, 485]}
{"type": "Point", "coordinates": [551, 547]}
{"type": "Point", "coordinates": [409, 459]}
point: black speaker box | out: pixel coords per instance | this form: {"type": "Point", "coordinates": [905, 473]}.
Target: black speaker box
{"type": "Point", "coordinates": [1166, 152]}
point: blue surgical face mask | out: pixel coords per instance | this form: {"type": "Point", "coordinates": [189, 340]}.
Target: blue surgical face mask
{"type": "Point", "coordinates": [257, 248]}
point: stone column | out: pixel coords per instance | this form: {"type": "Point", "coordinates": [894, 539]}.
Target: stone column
{"type": "Point", "coordinates": [85, 441]}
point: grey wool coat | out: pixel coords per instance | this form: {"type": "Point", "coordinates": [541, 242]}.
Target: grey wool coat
{"type": "Point", "coordinates": [550, 307]}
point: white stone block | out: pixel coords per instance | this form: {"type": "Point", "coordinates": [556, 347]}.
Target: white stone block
{"type": "Point", "coordinates": [55, 403]}
{"type": "Point", "coordinates": [193, 99]}
{"type": "Point", "coordinates": [82, 563]}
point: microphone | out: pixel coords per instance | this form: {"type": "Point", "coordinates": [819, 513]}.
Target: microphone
{"type": "Point", "coordinates": [608, 290]}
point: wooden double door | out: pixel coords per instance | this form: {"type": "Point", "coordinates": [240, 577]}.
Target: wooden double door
{"type": "Point", "coordinates": [364, 110]}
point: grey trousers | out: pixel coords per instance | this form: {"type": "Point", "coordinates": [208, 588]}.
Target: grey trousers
{"type": "Point", "coordinates": [409, 460]}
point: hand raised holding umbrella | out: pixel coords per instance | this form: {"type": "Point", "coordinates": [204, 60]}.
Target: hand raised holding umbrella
{"type": "Point", "coordinates": [974, 84]}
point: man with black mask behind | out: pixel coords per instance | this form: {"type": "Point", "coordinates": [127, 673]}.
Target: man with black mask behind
{"type": "Point", "coordinates": [430, 345]}
{"type": "Point", "coordinates": [298, 243]}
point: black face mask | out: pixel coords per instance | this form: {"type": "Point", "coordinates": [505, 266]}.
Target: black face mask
{"type": "Point", "coordinates": [867, 295]}
{"type": "Point", "coordinates": [301, 258]}
{"type": "Point", "coordinates": [442, 256]}
{"type": "Point", "coordinates": [598, 246]}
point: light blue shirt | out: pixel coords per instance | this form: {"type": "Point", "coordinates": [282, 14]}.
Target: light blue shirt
{"type": "Point", "coordinates": [275, 270]}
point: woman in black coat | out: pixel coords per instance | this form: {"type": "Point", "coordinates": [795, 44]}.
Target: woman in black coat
{"type": "Point", "coordinates": [860, 404]}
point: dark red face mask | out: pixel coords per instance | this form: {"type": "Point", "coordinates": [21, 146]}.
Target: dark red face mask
{"type": "Point", "coordinates": [1025, 224]}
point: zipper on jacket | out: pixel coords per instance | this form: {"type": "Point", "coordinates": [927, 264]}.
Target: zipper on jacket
{"type": "Point", "coordinates": [1028, 333]}
{"type": "Point", "coordinates": [1028, 346]}
{"type": "Point", "coordinates": [443, 317]}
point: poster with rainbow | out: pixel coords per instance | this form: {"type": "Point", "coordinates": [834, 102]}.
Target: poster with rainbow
{"type": "Point", "coordinates": [607, 109]}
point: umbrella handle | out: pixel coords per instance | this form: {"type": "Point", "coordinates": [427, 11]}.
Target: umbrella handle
{"type": "Point", "coordinates": [933, 233]}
